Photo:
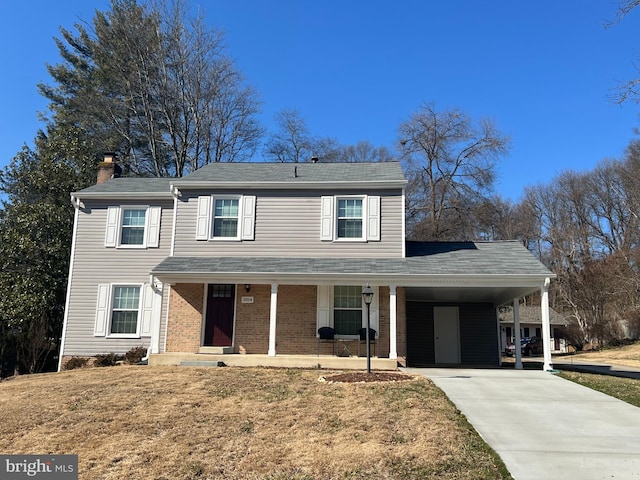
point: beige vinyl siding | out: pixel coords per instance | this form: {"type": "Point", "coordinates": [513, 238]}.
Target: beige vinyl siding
{"type": "Point", "coordinates": [96, 264]}
{"type": "Point", "coordinates": [288, 223]}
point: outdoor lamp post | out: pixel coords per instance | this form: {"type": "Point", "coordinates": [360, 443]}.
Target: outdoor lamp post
{"type": "Point", "coordinates": [367, 296]}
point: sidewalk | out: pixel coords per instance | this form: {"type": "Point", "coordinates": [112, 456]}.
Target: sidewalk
{"type": "Point", "coordinates": [593, 367]}
{"type": "Point", "coordinates": [545, 427]}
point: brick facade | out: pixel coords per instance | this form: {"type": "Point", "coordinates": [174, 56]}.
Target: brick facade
{"type": "Point", "coordinates": [184, 327]}
{"type": "Point", "coordinates": [296, 320]}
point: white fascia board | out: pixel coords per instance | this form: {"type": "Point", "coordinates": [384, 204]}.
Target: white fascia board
{"type": "Point", "coordinates": [198, 185]}
{"type": "Point", "coordinates": [330, 278]}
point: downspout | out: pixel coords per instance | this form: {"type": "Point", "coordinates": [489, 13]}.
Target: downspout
{"type": "Point", "coordinates": [176, 194]}
{"type": "Point", "coordinates": [154, 343]}
{"type": "Point", "coordinates": [77, 205]}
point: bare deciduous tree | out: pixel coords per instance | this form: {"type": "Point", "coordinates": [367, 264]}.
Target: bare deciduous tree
{"type": "Point", "coordinates": [629, 90]}
{"type": "Point", "coordinates": [292, 142]}
{"type": "Point", "coordinates": [450, 164]}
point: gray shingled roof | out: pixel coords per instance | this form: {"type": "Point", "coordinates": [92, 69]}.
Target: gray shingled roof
{"type": "Point", "coordinates": [490, 258]}
{"type": "Point", "coordinates": [296, 173]}
{"type": "Point", "coordinates": [532, 315]}
{"type": "Point", "coordinates": [259, 173]}
{"type": "Point", "coordinates": [462, 259]}
{"type": "Point", "coordinates": [139, 185]}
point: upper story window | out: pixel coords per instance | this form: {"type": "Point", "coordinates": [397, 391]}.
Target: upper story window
{"type": "Point", "coordinates": [226, 217]}
{"type": "Point", "coordinates": [350, 218]}
{"type": "Point", "coordinates": [133, 227]}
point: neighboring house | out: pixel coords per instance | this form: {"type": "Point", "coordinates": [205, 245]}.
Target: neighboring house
{"type": "Point", "coordinates": [531, 326]}
{"type": "Point", "coordinates": [253, 258]}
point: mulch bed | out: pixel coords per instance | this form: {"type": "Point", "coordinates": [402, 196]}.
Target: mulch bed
{"type": "Point", "coordinates": [356, 377]}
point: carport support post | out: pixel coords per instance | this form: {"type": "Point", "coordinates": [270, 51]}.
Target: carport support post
{"type": "Point", "coordinates": [546, 328]}
{"type": "Point", "coordinates": [516, 331]}
{"type": "Point", "coordinates": [272, 320]}
{"type": "Point", "coordinates": [393, 320]}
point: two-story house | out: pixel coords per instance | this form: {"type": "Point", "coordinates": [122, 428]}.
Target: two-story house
{"type": "Point", "coordinates": [246, 262]}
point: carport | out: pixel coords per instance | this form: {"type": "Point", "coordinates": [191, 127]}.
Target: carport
{"type": "Point", "coordinates": [452, 307]}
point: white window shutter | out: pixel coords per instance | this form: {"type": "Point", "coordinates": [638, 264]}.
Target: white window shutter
{"type": "Point", "coordinates": [113, 225]}
{"type": "Point", "coordinates": [323, 318]}
{"type": "Point", "coordinates": [248, 217]}
{"type": "Point", "coordinates": [327, 219]}
{"type": "Point", "coordinates": [148, 302]}
{"type": "Point", "coordinates": [102, 310]}
{"type": "Point", "coordinates": [204, 217]}
{"type": "Point", "coordinates": [153, 227]}
{"type": "Point", "coordinates": [373, 214]}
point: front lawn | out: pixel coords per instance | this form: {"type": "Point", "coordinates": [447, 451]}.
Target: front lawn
{"type": "Point", "coordinates": [133, 422]}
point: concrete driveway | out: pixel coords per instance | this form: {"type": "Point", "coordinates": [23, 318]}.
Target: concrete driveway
{"type": "Point", "coordinates": [545, 427]}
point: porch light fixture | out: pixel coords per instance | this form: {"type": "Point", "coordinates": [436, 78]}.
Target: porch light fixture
{"type": "Point", "coordinates": [247, 287]}
{"type": "Point", "coordinates": [367, 297]}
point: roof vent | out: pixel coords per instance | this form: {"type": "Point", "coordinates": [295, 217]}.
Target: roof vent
{"type": "Point", "coordinates": [314, 159]}
{"type": "Point", "coordinates": [295, 171]}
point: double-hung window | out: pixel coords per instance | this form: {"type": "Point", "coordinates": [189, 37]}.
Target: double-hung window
{"type": "Point", "coordinates": [347, 309]}
{"type": "Point", "coordinates": [350, 218]}
{"type": "Point", "coordinates": [225, 218]}
{"type": "Point", "coordinates": [133, 227]}
{"type": "Point", "coordinates": [342, 308]}
{"type": "Point", "coordinates": [125, 310]}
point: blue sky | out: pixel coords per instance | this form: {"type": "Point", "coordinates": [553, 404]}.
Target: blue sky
{"type": "Point", "coordinates": [542, 70]}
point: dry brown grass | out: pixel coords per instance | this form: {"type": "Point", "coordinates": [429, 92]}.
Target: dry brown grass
{"type": "Point", "coordinates": [628, 355]}
{"type": "Point", "coordinates": [131, 422]}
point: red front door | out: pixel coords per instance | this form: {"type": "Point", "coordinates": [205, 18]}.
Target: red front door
{"type": "Point", "coordinates": [218, 330]}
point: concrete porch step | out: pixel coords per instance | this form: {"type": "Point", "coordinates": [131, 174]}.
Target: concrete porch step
{"type": "Point", "coordinates": [201, 363]}
{"type": "Point", "coordinates": [216, 350]}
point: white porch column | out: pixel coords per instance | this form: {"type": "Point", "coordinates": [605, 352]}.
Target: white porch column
{"type": "Point", "coordinates": [546, 328]}
{"type": "Point", "coordinates": [272, 320]}
{"type": "Point", "coordinates": [393, 320]}
{"type": "Point", "coordinates": [516, 328]}
{"type": "Point", "coordinates": [156, 319]}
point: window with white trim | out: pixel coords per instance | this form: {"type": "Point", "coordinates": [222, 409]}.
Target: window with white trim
{"type": "Point", "coordinates": [226, 217]}
{"type": "Point", "coordinates": [347, 309]}
{"type": "Point", "coordinates": [350, 218]}
{"type": "Point", "coordinates": [125, 310]}
{"type": "Point", "coordinates": [342, 308]}
{"type": "Point", "coordinates": [133, 227]}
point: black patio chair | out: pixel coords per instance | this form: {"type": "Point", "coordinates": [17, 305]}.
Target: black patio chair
{"type": "Point", "coordinates": [327, 335]}
{"type": "Point", "coordinates": [372, 339]}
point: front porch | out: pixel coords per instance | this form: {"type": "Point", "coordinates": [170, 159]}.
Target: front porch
{"type": "Point", "coordinates": [330, 362]}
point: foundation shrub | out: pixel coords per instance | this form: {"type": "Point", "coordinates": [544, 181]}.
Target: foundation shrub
{"type": "Point", "coordinates": [134, 355]}
{"type": "Point", "coordinates": [76, 362]}
{"type": "Point", "coordinates": [106, 360]}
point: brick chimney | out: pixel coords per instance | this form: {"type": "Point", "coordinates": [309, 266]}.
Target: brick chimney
{"type": "Point", "coordinates": [108, 168]}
